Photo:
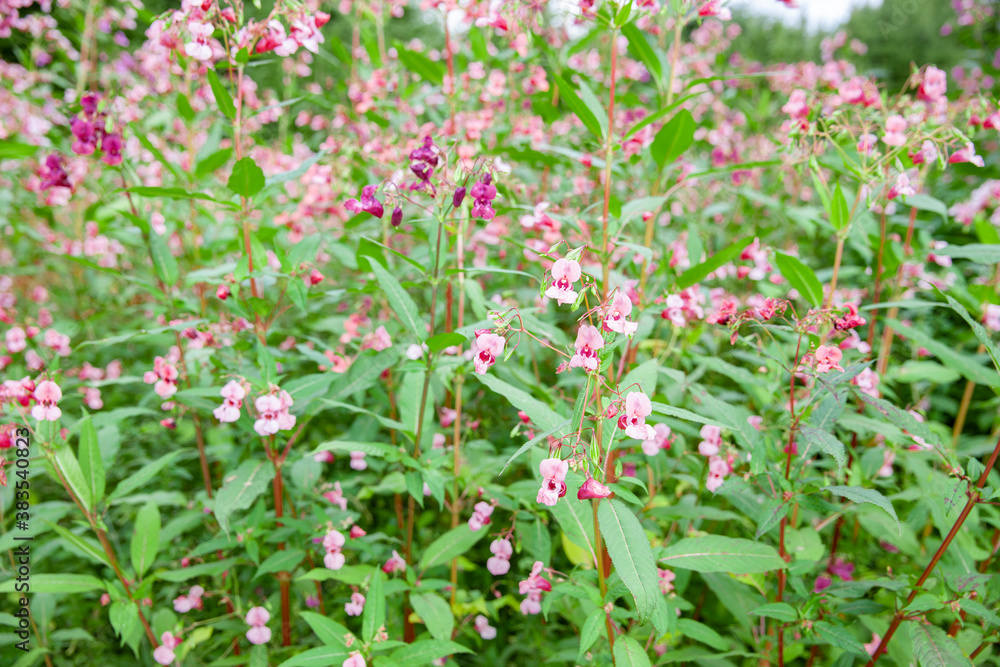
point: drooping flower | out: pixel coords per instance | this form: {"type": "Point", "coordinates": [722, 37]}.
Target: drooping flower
{"type": "Point", "coordinates": [394, 564]}
{"type": "Point", "coordinates": [192, 600]}
{"type": "Point", "coordinates": [592, 489]}
{"type": "Point", "coordinates": [164, 653]}
{"type": "Point", "coordinates": [356, 605]}
{"type": "Point", "coordinates": [902, 187]}
{"type": "Point", "coordinates": [336, 496]}
{"type": "Point", "coordinates": [480, 516]}
{"type": "Point", "coordinates": [354, 660]}
{"type": "Point", "coordinates": [483, 193]}
{"type": "Point", "coordinates": [333, 542]}
{"type": "Point", "coordinates": [533, 587]}
{"type": "Point", "coordinates": [660, 440]}
{"type": "Point", "coordinates": [483, 627]}
{"type": "Point", "coordinates": [233, 394]}
{"type": "Point", "coordinates": [499, 563]}
{"type": "Point", "coordinates": [565, 272]}
{"type": "Point", "coordinates": [966, 154]}
{"type": "Point", "coordinates": [633, 420]}
{"type": "Point", "coordinates": [711, 440]}
{"type": "Point", "coordinates": [867, 382]}
{"type": "Point", "coordinates": [274, 414]}
{"type": "Point", "coordinates": [486, 348]}
{"type": "Point", "coordinates": [163, 377]}
{"type": "Point", "coordinates": [934, 84]}
{"type": "Point", "coordinates": [257, 618]}
{"type": "Point", "coordinates": [367, 204]}
{"type": "Point", "coordinates": [553, 481]}
{"type": "Point", "coordinates": [589, 341]}
{"type": "Point", "coordinates": [666, 580]}
{"type": "Point", "coordinates": [718, 469]}
{"type": "Point", "coordinates": [616, 315]}
{"type": "Point", "coordinates": [895, 131]}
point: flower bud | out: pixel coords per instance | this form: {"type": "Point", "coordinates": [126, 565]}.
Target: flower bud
{"type": "Point", "coordinates": [397, 216]}
{"type": "Point", "coordinates": [459, 197]}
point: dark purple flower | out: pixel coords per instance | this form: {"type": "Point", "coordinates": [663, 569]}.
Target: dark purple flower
{"type": "Point", "coordinates": [52, 173]}
{"type": "Point", "coordinates": [111, 144]}
{"type": "Point", "coordinates": [397, 216]}
{"type": "Point", "coordinates": [428, 153]}
{"type": "Point", "coordinates": [459, 197]}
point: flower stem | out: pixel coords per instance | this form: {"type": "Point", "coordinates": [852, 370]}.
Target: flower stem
{"type": "Point", "coordinates": [974, 498]}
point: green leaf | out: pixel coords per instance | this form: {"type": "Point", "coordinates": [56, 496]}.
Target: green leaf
{"type": "Point", "coordinates": [146, 538]}
{"type": "Point", "coordinates": [631, 554]}
{"type": "Point", "coordinates": [781, 611]}
{"type": "Point", "coordinates": [531, 443]}
{"type": "Point", "coordinates": [452, 544]}
{"type": "Point", "coordinates": [932, 647]}
{"type": "Point", "coordinates": [963, 363]}
{"type": "Point", "coordinates": [596, 108]}
{"type": "Point", "coordinates": [281, 561]}
{"type": "Point", "coordinates": [90, 460]}
{"type": "Point", "coordinates": [980, 610]}
{"type": "Point", "coordinates": [379, 449]}
{"type": "Point", "coordinates": [318, 657]}
{"type": "Point", "coordinates": [163, 260]}
{"type": "Point", "coordinates": [86, 545]}
{"type": "Point", "coordinates": [801, 277]}
{"type": "Point", "coordinates": [542, 415]}
{"type": "Point", "coordinates": [214, 161]}
{"type": "Point", "coordinates": [400, 301]}
{"type": "Point", "coordinates": [435, 613]}
{"type": "Point", "coordinates": [840, 214]}
{"type": "Point", "coordinates": [568, 95]}
{"type": "Point", "coordinates": [681, 413]}
{"type": "Point", "coordinates": [425, 652]}
{"type": "Point", "coordinates": [222, 96]}
{"type": "Point", "coordinates": [355, 575]}
{"type": "Point", "coordinates": [328, 631]}
{"type": "Point", "coordinates": [373, 617]}
{"type": "Point", "coordinates": [861, 495]}
{"type": "Point", "coordinates": [184, 107]}
{"type": "Point", "coordinates": [977, 252]}
{"type": "Point", "coordinates": [591, 631]}
{"type": "Point", "coordinates": [638, 44]}
{"type": "Point", "coordinates": [673, 138]}
{"type": "Point", "coordinates": [443, 340]}
{"type": "Point", "coordinates": [57, 583]}
{"type": "Point", "coordinates": [420, 64]}
{"type": "Point", "coordinates": [247, 179]}
{"type": "Point", "coordinates": [715, 553]}
{"type": "Point", "coordinates": [241, 489]}
{"type": "Point", "coordinates": [698, 273]}
{"type": "Point", "coordinates": [981, 333]}
{"type": "Point", "coordinates": [835, 635]}
{"type": "Point", "coordinates": [701, 633]}
{"type": "Point", "coordinates": [212, 569]}
{"type": "Point", "coordinates": [629, 653]}
{"type": "Point", "coordinates": [143, 475]}
{"type": "Point", "coordinates": [71, 471]}
{"type": "Point", "coordinates": [826, 442]}
{"type": "Point", "coordinates": [13, 149]}
{"type": "Point", "coordinates": [124, 616]}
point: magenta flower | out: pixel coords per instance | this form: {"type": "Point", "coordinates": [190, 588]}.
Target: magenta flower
{"type": "Point", "coordinates": [796, 106]}
{"type": "Point", "coordinates": [822, 583]}
{"type": "Point", "coordinates": [553, 481]}
{"type": "Point", "coordinates": [257, 618]}
{"type": "Point", "coordinates": [616, 315]}
{"type": "Point", "coordinates": [565, 272]}
{"type": "Point", "coordinates": [356, 605]}
{"type": "Point", "coordinates": [368, 203]}
{"type": "Point", "coordinates": [47, 394]}
{"type": "Point", "coordinates": [483, 193]}
{"type": "Point", "coordinates": [486, 348]}
{"type": "Point", "coordinates": [499, 564]}
{"type": "Point", "coordinates": [633, 420]}
{"type": "Point", "coordinates": [967, 154]}
{"type": "Point", "coordinates": [828, 358]}
{"type": "Point", "coordinates": [592, 489]}
{"type": "Point", "coordinates": [394, 564]}
{"type": "Point", "coordinates": [851, 320]}
{"type": "Point", "coordinates": [588, 342]}
{"type": "Point", "coordinates": [53, 174]}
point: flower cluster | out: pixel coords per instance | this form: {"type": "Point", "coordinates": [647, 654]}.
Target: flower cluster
{"type": "Point", "coordinates": [481, 516]}
{"type": "Point", "coordinates": [273, 413]}
{"type": "Point", "coordinates": [483, 193]}
{"type": "Point", "coordinates": [163, 377]}
{"type": "Point", "coordinates": [90, 132]}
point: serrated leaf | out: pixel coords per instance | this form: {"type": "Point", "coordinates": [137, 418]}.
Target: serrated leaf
{"type": "Point", "coordinates": [143, 475]}
{"type": "Point", "coordinates": [281, 561]}
{"type": "Point", "coordinates": [837, 636]}
{"type": "Point", "coordinates": [425, 652]}
{"type": "Point", "coordinates": [715, 553]}
{"type": "Point", "coordinates": [400, 301]}
{"type": "Point", "coordinates": [542, 415]}
{"type": "Point", "coordinates": [638, 43]}
{"type": "Point", "coordinates": [631, 554]}
{"type": "Point", "coordinates": [373, 616]}
{"type": "Point", "coordinates": [965, 364]}
{"type": "Point", "coordinates": [327, 630]}
{"type": "Point", "coordinates": [862, 495]}
{"type": "Point", "coordinates": [531, 443]}
{"type": "Point", "coordinates": [441, 341]}
{"type": "Point", "coordinates": [91, 464]}
{"type": "Point", "coordinates": [826, 442]}
{"type": "Point", "coordinates": [590, 632]}
{"type": "Point", "coordinates": [701, 633]}
{"type": "Point", "coordinates": [780, 611]}
{"type": "Point", "coordinates": [241, 489]}
{"type": "Point", "coordinates": [800, 277]}
{"type": "Point", "coordinates": [932, 647]}
{"type": "Point", "coordinates": [629, 653]}
{"type": "Point", "coordinates": [452, 544]}
{"type": "Point", "coordinates": [57, 583]}
{"type": "Point", "coordinates": [981, 333]}
{"type": "Point", "coordinates": [568, 95]}
{"type": "Point", "coordinates": [71, 472]}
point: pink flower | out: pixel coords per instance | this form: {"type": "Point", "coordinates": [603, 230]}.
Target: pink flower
{"type": "Point", "coordinates": [616, 315]}
{"type": "Point", "coordinates": [333, 541]}
{"type": "Point", "coordinates": [592, 489]}
{"type": "Point", "coordinates": [901, 187]}
{"type": "Point", "coordinates": [588, 342]}
{"type": "Point", "coordinates": [483, 193]}
{"type": "Point", "coordinates": [796, 106]}
{"type": "Point", "coordinates": [553, 481]}
{"type": "Point", "coordinates": [257, 618]}
{"type": "Point", "coordinates": [756, 421]}
{"type": "Point", "coordinates": [356, 605]}
{"type": "Point", "coordinates": [164, 653]}
{"type": "Point", "coordinates": [633, 420]}
{"type": "Point", "coordinates": [394, 564]}
{"type": "Point", "coordinates": [481, 516]}
{"type": "Point", "coordinates": [499, 564]}
{"type": "Point", "coordinates": [486, 348]}
{"type": "Point", "coordinates": [533, 587]}
{"type": "Point", "coordinates": [15, 340]}
{"type": "Point", "coordinates": [718, 469]}
{"type": "Point", "coordinates": [274, 415]}
{"type": "Point", "coordinates": [483, 627]}
{"type": "Point", "coordinates": [928, 153]}
{"type": "Point", "coordinates": [887, 460]}
{"type": "Point", "coordinates": [867, 381]}
{"type": "Point", "coordinates": [967, 154]}
{"type": "Point", "coordinates": [354, 660]}
{"type": "Point", "coordinates": [336, 496]}
{"type": "Point", "coordinates": [163, 376]}
{"type": "Point", "coordinates": [712, 441]}
{"type": "Point", "coordinates": [934, 84]}
{"type": "Point", "coordinates": [895, 128]}
{"type": "Point", "coordinates": [665, 578]}
{"type": "Point", "coordinates": [565, 272]}
{"type": "Point", "coordinates": [828, 358]}
{"type": "Point", "coordinates": [233, 394]}
{"type": "Point", "coordinates": [47, 393]}
{"type": "Point", "coordinates": [659, 441]}
{"type": "Point", "coordinates": [200, 47]}
{"type": "Point", "coordinates": [368, 203]}
{"type": "Point", "coordinates": [715, 8]}
{"type": "Point", "coordinates": [358, 461]}
{"type": "Point", "coordinates": [867, 143]}
{"type": "Point", "coordinates": [822, 583]}
{"type": "Point", "coordinates": [873, 645]}
{"type": "Point", "coordinates": [192, 600]}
